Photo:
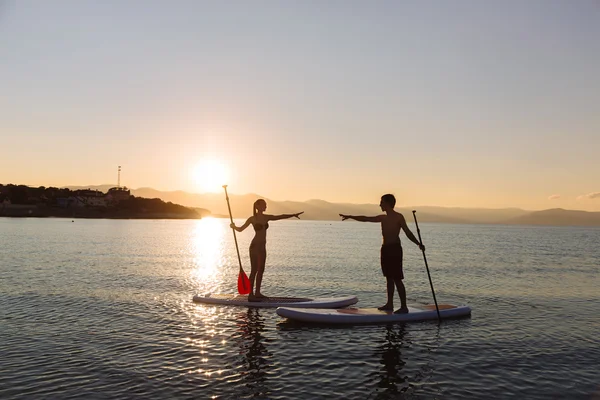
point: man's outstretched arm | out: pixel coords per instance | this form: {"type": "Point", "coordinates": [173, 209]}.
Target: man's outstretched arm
{"type": "Point", "coordinates": [361, 218]}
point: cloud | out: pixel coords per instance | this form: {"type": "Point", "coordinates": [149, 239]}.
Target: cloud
{"type": "Point", "coordinates": [593, 195]}
{"type": "Point", "coordinates": [554, 197]}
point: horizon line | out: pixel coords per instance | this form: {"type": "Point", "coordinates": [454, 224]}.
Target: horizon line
{"type": "Point", "coordinates": [316, 199]}
{"type": "Point", "coordinates": [327, 201]}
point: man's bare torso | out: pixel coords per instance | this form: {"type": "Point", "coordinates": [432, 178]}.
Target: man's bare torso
{"type": "Point", "coordinates": [391, 224]}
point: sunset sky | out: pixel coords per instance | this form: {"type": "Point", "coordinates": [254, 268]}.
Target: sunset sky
{"type": "Point", "coordinates": [450, 103]}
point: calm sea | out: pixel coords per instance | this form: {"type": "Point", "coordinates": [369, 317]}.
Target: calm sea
{"type": "Point", "coordinates": [103, 309]}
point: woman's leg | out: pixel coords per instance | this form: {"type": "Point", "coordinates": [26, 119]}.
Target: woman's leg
{"type": "Point", "coordinates": [253, 268]}
{"type": "Point", "coordinates": [262, 258]}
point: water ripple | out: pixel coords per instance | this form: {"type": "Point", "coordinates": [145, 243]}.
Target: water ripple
{"type": "Point", "coordinates": [102, 309]}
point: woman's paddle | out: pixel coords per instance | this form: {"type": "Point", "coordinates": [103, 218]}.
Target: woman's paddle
{"type": "Point", "coordinates": [243, 281]}
{"type": "Point", "coordinates": [427, 266]}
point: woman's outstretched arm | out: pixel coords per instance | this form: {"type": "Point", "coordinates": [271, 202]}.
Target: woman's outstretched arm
{"type": "Point", "coordinates": [283, 216]}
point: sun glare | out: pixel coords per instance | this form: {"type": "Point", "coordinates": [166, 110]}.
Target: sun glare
{"type": "Point", "coordinates": [207, 246]}
{"type": "Point", "coordinates": [210, 175]}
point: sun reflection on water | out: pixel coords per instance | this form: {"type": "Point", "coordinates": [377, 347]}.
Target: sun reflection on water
{"type": "Point", "coordinates": [206, 246]}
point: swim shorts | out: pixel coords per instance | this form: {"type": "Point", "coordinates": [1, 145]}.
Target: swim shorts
{"type": "Point", "coordinates": [391, 260]}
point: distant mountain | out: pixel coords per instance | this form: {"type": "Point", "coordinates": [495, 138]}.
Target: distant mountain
{"type": "Point", "coordinates": [558, 216]}
{"type": "Point", "coordinates": [241, 206]}
{"type": "Point", "coordinates": [477, 215]}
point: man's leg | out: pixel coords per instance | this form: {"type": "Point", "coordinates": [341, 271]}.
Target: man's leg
{"type": "Point", "coordinates": [389, 306]}
{"type": "Point", "coordinates": [402, 294]}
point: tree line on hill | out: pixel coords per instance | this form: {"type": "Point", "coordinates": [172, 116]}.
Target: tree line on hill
{"type": "Point", "coordinates": [48, 201]}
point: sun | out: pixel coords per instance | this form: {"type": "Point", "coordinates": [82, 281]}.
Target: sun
{"type": "Point", "coordinates": [210, 175]}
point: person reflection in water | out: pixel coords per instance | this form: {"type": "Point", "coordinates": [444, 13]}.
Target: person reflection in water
{"type": "Point", "coordinates": [392, 377]}
{"type": "Point", "coordinates": [256, 356]}
{"type": "Point", "coordinates": [258, 247]}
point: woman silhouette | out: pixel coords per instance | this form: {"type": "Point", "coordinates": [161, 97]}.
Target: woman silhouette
{"type": "Point", "coordinates": [258, 246]}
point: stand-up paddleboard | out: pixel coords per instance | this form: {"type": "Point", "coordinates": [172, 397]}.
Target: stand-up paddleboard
{"type": "Point", "coordinates": [373, 315]}
{"type": "Point", "coordinates": [296, 302]}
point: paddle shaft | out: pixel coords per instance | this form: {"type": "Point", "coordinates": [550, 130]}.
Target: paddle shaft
{"type": "Point", "coordinates": [234, 236]}
{"type": "Point", "coordinates": [427, 267]}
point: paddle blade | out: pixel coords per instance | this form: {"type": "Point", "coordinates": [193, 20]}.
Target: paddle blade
{"type": "Point", "coordinates": [243, 283]}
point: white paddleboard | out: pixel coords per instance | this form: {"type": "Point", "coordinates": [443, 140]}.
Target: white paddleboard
{"type": "Point", "coordinates": [373, 315]}
{"type": "Point", "coordinates": [296, 302]}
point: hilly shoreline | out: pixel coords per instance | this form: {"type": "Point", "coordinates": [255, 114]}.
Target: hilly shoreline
{"type": "Point", "coordinates": [323, 210]}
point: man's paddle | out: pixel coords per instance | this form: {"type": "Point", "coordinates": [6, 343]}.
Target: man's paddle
{"type": "Point", "coordinates": [427, 266]}
{"type": "Point", "coordinates": [243, 281]}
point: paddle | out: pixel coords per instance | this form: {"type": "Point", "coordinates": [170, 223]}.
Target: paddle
{"type": "Point", "coordinates": [427, 266]}
{"type": "Point", "coordinates": [243, 281]}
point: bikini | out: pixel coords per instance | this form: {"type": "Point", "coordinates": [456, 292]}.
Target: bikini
{"type": "Point", "coordinates": [260, 227]}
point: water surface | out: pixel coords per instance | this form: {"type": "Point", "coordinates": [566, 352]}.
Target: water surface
{"type": "Point", "coordinates": [102, 309]}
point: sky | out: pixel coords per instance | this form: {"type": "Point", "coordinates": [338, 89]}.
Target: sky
{"type": "Point", "coordinates": [463, 103]}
